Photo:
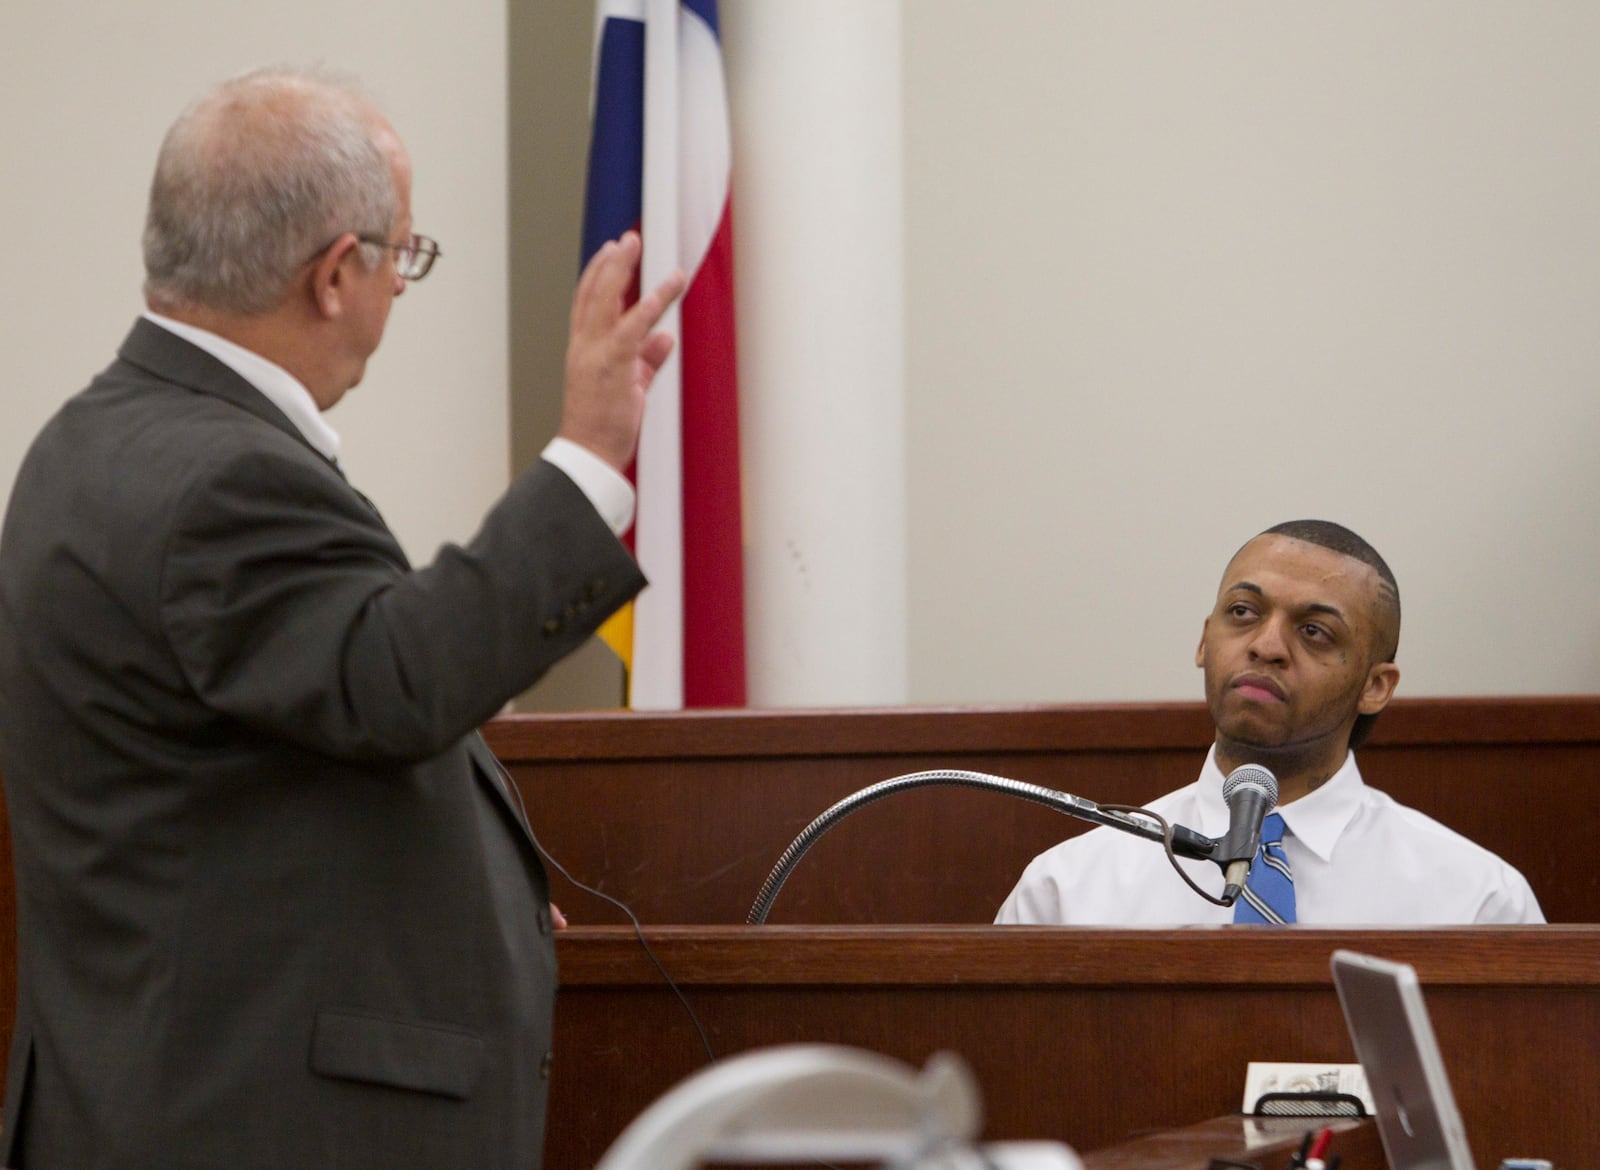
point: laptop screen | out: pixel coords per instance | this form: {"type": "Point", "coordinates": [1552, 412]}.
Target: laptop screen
{"type": "Point", "coordinates": [1417, 1116]}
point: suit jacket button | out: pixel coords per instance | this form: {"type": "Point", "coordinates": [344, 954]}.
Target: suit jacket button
{"type": "Point", "coordinates": [544, 1065]}
{"type": "Point", "coordinates": [552, 627]}
{"type": "Point", "coordinates": [544, 920]}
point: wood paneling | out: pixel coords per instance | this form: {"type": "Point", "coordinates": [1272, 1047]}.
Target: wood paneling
{"type": "Point", "coordinates": [1091, 1037]}
{"type": "Point", "coordinates": [682, 816]}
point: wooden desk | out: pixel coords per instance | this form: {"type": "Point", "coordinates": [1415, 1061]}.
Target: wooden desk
{"type": "Point", "coordinates": [1091, 1037]}
{"type": "Point", "coordinates": [1264, 1141]}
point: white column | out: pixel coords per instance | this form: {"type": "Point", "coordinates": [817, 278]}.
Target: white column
{"type": "Point", "coordinates": [815, 95]}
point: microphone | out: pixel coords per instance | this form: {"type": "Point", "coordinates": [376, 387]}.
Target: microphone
{"type": "Point", "coordinates": [1251, 792]}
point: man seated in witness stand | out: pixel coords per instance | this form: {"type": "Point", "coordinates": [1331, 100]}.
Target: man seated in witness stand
{"type": "Point", "coordinates": [1298, 655]}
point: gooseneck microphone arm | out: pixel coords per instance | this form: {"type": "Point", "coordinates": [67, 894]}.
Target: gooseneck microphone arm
{"type": "Point", "coordinates": [1185, 842]}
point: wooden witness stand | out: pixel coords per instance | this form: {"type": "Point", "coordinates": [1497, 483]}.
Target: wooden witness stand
{"type": "Point", "coordinates": [1092, 1037]}
{"type": "Point", "coordinates": [1119, 1043]}
{"type": "Point", "coordinates": [682, 816]}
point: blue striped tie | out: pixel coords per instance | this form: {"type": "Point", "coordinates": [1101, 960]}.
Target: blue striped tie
{"type": "Point", "coordinates": [1269, 889]}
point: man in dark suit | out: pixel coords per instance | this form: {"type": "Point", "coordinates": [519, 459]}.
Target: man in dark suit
{"type": "Point", "coordinates": [277, 905]}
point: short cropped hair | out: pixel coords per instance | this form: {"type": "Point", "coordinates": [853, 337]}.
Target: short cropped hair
{"type": "Point", "coordinates": [1337, 538]}
{"type": "Point", "coordinates": [252, 180]}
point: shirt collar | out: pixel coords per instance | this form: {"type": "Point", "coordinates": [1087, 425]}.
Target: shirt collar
{"type": "Point", "coordinates": [277, 384]}
{"type": "Point", "coordinates": [1317, 819]}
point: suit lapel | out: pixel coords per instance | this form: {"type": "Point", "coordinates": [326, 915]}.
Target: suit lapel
{"type": "Point", "coordinates": [497, 780]}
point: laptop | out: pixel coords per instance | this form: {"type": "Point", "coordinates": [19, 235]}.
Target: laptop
{"type": "Point", "coordinates": [1416, 1111]}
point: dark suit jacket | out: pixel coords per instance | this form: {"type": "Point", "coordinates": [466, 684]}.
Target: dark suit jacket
{"type": "Point", "coordinates": [275, 908]}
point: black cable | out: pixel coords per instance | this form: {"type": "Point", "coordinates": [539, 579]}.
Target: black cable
{"type": "Point", "coordinates": [711, 1056]}
{"type": "Point", "coordinates": [1166, 841]}
{"type": "Point", "coordinates": [511, 785]}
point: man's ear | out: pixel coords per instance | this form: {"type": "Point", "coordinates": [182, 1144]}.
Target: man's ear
{"type": "Point", "coordinates": [1381, 682]}
{"type": "Point", "coordinates": [330, 275]}
{"type": "Point", "coordinates": [1200, 650]}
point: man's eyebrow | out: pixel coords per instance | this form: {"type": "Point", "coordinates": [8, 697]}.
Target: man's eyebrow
{"type": "Point", "coordinates": [1312, 607]}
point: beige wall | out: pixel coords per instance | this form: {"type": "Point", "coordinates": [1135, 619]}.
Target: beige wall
{"type": "Point", "coordinates": [89, 89]}
{"type": "Point", "coordinates": [1179, 271]}
{"type": "Point", "coordinates": [1174, 272]}
{"type": "Point", "coordinates": [549, 47]}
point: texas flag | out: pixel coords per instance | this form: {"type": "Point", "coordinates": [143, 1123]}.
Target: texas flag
{"type": "Point", "coordinates": [659, 161]}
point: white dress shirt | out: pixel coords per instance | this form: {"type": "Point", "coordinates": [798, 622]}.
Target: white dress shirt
{"type": "Point", "coordinates": [1359, 858]}
{"type": "Point", "coordinates": [606, 488]}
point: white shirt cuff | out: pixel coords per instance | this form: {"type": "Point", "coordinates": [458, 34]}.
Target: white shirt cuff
{"type": "Point", "coordinates": [607, 488]}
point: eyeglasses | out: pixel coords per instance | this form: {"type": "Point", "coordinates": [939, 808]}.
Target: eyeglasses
{"type": "Point", "coordinates": [412, 259]}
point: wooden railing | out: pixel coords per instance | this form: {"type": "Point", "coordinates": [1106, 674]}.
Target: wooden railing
{"type": "Point", "coordinates": [1084, 1036]}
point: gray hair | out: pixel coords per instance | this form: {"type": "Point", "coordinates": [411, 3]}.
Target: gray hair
{"type": "Point", "coordinates": [253, 180]}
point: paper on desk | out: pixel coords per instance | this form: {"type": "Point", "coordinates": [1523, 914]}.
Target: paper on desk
{"type": "Point", "coordinates": [1279, 1077]}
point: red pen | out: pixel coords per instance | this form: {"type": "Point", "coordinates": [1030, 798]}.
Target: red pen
{"type": "Point", "coordinates": [1319, 1148]}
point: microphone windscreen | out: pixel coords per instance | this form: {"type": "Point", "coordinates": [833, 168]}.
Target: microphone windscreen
{"type": "Point", "coordinates": [1251, 776]}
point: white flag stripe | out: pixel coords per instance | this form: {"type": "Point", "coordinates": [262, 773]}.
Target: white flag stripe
{"type": "Point", "coordinates": [705, 148]}
{"type": "Point", "coordinates": [656, 679]}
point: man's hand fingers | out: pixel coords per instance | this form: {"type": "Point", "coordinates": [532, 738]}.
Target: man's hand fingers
{"type": "Point", "coordinates": [598, 302]}
{"type": "Point", "coordinates": [616, 274]}
{"type": "Point", "coordinates": [613, 351]}
{"type": "Point", "coordinates": [653, 353]}
{"type": "Point", "coordinates": [638, 321]}
{"type": "Point", "coordinates": [583, 299]}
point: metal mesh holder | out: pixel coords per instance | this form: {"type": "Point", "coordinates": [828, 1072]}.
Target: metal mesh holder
{"type": "Point", "coordinates": [1309, 1104]}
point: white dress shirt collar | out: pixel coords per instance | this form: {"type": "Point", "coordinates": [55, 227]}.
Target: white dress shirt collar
{"type": "Point", "coordinates": [1316, 819]}
{"type": "Point", "coordinates": [280, 387]}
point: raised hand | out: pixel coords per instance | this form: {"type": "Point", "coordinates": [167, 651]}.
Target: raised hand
{"type": "Point", "coordinates": [613, 352]}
